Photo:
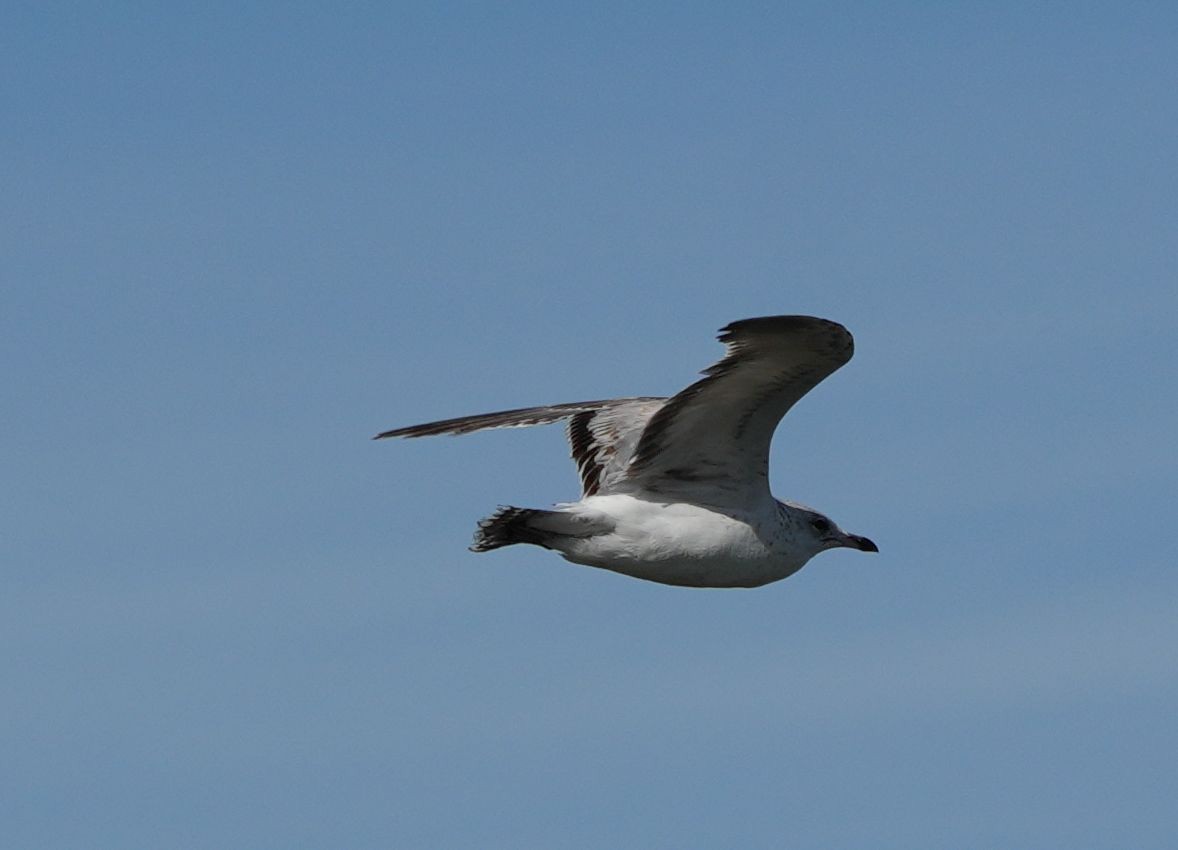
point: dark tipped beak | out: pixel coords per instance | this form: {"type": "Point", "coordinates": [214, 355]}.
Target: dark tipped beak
{"type": "Point", "coordinates": [861, 543]}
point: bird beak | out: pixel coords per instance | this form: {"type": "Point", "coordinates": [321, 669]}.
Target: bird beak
{"type": "Point", "coordinates": [854, 541]}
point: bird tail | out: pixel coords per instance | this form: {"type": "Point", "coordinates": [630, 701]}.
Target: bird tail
{"type": "Point", "coordinates": [508, 526]}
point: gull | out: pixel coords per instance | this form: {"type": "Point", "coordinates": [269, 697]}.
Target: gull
{"type": "Point", "coordinates": [676, 490]}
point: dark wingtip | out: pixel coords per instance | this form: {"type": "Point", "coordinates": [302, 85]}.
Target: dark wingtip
{"type": "Point", "coordinates": [426, 430]}
{"type": "Point", "coordinates": [779, 324]}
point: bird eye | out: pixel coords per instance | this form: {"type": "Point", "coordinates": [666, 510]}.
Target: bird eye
{"type": "Point", "coordinates": [820, 525]}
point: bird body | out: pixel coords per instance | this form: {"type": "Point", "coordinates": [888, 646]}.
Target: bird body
{"type": "Point", "coordinates": [680, 543]}
{"type": "Point", "coordinates": [676, 490]}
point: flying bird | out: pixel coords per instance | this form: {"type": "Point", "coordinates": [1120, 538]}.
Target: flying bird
{"type": "Point", "coordinates": [676, 490]}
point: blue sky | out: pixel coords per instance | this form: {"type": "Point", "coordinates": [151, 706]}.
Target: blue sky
{"type": "Point", "coordinates": [236, 243]}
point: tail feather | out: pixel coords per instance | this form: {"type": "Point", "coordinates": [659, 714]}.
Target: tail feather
{"type": "Point", "coordinates": [550, 529]}
{"type": "Point", "coordinates": [508, 526]}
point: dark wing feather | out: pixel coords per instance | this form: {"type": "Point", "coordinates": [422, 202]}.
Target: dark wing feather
{"type": "Point", "coordinates": [517, 418]}
{"type": "Point", "coordinates": [710, 443]}
{"type": "Point", "coordinates": [604, 440]}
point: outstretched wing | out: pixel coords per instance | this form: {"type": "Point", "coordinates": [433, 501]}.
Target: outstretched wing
{"type": "Point", "coordinates": [520, 417]}
{"type": "Point", "coordinates": [710, 443]}
{"type": "Point", "coordinates": [603, 434]}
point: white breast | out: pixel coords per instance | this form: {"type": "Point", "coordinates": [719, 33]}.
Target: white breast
{"type": "Point", "coordinates": [679, 544]}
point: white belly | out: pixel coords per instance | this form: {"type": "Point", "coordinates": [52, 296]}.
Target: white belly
{"type": "Point", "coordinates": [679, 544]}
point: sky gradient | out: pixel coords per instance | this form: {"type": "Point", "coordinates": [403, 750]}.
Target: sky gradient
{"type": "Point", "coordinates": [236, 243]}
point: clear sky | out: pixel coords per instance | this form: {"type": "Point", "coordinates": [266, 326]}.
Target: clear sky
{"type": "Point", "coordinates": [238, 240]}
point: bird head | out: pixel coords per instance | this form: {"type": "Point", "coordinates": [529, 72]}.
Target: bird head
{"type": "Point", "coordinates": [824, 533]}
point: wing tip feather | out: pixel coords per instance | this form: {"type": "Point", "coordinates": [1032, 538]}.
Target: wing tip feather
{"type": "Point", "coordinates": [779, 324]}
{"type": "Point", "coordinates": [824, 333]}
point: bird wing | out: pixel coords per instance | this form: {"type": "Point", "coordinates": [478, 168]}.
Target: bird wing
{"type": "Point", "coordinates": [710, 443]}
{"type": "Point", "coordinates": [518, 418]}
{"type": "Point", "coordinates": [603, 434]}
